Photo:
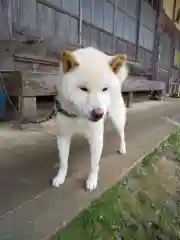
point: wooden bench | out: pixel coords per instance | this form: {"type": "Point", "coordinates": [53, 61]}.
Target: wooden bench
{"type": "Point", "coordinates": [28, 85]}
{"type": "Point", "coordinates": [140, 80]}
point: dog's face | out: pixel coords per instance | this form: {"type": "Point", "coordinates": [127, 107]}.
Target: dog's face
{"type": "Point", "coordinates": [88, 80]}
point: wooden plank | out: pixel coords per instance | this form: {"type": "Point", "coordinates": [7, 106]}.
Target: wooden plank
{"type": "Point", "coordinates": [49, 50]}
{"type": "Point", "coordinates": [45, 20]}
{"type": "Point", "coordinates": [31, 84]}
{"type": "Point", "coordinates": [106, 42]}
{"type": "Point", "coordinates": [131, 7]}
{"type": "Point", "coordinates": [69, 6]}
{"type": "Point", "coordinates": [165, 52]}
{"type": "Point", "coordinates": [36, 59]}
{"type": "Point", "coordinates": [87, 10]}
{"type": "Point", "coordinates": [86, 34]}
{"type": "Point", "coordinates": [144, 57]}
{"type": "Point", "coordinates": [34, 66]}
{"type": "Point", "coordinates": [28, 108]}
{"type": "Point", "coordinates": [164, 77]}
{"type": "Point", "coordinates": [52, 3]}
{"type": "Point", "coordinates": [129, 100]}
{"type": "Point", "coordinates": [39, 84]}
{"type": "Point", "coordinates": [119, 20]}
{"type": "Point", "coordinates": [6, 55]}
{"type": "Point", "coordinates": [129, 29]}
{"type": "Point", "coordinates": [95, 37]}
{"type": "Point", "coordinates": [5, 20]}
{"type": "Point", "coordinates": [66, 27]}
{"type": "Point", "coordinates": [136, 68]}
{"type": "Point", "coordinates": [140, 83]}
{"type": "Point", "coordinates": [120, 46]}
{"type": "Point", "coordinates": [24, 17]}
{"type": "Point", "coordinates": [13, 83]}
{"type": "Point", "coordinates": [131, 51]}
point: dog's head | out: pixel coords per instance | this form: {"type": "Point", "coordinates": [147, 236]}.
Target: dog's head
{"type": "Point", "coordinates": [89, 78]}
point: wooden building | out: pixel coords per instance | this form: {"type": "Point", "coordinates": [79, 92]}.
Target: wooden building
{"type": "Point", "coordinates": [111, 25]}
{"type": "Point", "coordinates": [34, 32]}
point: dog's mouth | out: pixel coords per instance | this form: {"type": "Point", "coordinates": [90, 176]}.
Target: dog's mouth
{"type": "Point", "coordinates": [95, 118]}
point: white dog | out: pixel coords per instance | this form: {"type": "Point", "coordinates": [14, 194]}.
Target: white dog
{"type": "Point", "coordinates": [89, 89]}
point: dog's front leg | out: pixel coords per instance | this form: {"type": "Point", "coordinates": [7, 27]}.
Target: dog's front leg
{"type": "Point", "coordinates": [119, 121]}
{"type": "Point", "coordinates": [63, 144]}
{"type": "Point", "coordinates": [96, 146]}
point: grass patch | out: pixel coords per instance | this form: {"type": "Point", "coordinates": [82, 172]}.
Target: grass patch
{"type": "Point", "coordinates": [143, 206]}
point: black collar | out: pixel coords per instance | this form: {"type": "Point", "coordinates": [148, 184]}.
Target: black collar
{"type": "Point", "coordinates": [62, 111]}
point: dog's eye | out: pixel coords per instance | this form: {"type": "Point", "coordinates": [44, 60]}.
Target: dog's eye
{"type": "Point", "coordinates": [84, 89]}
{"type": "Point", "coordinates": [104, 89]}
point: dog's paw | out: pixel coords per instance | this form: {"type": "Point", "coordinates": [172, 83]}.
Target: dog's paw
{"type": "Point", "coordinates": [123, 150]}
{"type": "Point", "coordinates": [91, 183]}
{"type": "Point", "coordinates": [58, 180]}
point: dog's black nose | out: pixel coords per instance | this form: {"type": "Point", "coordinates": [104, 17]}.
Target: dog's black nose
{"type": "Point", "coordinates": [97, 114]}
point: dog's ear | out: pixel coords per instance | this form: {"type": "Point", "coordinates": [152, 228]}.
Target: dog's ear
{"type": "Point", "coordinates": [117, 62]}
{"type": "Point", "coordinates": [69, 61]}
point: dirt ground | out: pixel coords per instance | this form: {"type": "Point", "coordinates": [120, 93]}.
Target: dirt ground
{"type": "Point", "coordinates": [30, 208]}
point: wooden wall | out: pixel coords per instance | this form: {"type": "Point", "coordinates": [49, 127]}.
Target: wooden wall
{"type": "Point", "coordinates": [170, 41]}
{"type": "Point", "coordinates": [111, 25]}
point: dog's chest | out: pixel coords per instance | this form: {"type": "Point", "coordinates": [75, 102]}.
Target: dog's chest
{"type": "Point", "coordinates": [70, 126]}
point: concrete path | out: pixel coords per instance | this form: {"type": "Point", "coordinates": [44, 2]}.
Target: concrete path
{"type": "Point", "coordinates": [30, 209]}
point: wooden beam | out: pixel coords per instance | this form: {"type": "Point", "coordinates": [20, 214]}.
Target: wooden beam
{"type": "Point", "coordinates": [157, 35]}
{"type": "Point", "coordinates": [139, 9]}
{"type": "Point", "coordinates": [172, 43]}
{"type": "Point", "coordinates": [129, 100]}
{"type": "Point", "coordinates": [28, 108]}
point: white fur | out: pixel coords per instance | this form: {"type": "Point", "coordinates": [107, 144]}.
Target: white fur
{"type": "Point", "coordinates": [94, 73]}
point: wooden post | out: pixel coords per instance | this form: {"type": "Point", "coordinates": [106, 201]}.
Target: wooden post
{"type": "Point", "coordinates": [114, 22]}
{"type": "Point", "coordinates": [139, 7]}
{"type": "Point", "coordinates": [172, 45]}
{"type": "Point", "coordinates": [28, 108]}
{"type": "Point", "coordinates": [80, 23]}
{"type": "Point", "coordinates": [129, 100]}
{"type": "Point", "coordinates": [157, 39]}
